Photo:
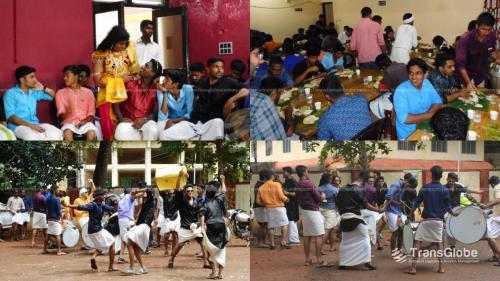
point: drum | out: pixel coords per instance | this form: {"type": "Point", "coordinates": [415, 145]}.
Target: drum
{"type": "Point", "coordinates": [6, 219]}
{"type": "Point", "coordinates": [70, 236]}
{"type": "Point", "coordinates": [85, 236]}
{"type": "Point", "coordinates": [371, 222]}
{"type": "Point", "coordinates": [469, 226]}
{"type": "Point", "coordinates": [447, 218]}
{"type": "Point", "coordinates": [408, 237]}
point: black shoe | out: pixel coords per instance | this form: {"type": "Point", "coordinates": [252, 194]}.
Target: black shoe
{"type": "Point", "coordinates": [272, 247]}
{"type": "Point", "coordinates": [370, 266]}
{"type": "Point", "coordinates": [286, 246]}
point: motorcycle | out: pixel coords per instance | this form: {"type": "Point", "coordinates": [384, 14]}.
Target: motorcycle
{"type": "Point", "coordinates": [240, 224]}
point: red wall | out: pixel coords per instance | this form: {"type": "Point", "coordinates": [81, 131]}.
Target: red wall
{"type": "Point", "coordinates": [214, 21]}
{"type": "Point", "coordinates": [49, 35]}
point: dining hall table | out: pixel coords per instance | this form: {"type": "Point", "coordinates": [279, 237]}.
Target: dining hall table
{"type": "Point", "coordinates": [308, 111]}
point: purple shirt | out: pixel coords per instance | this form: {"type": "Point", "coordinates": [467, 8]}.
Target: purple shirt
{"type": "Point", "coordinates": [126, 207]}
{"type": "Point", "coordinates": [473, 55]}
{"type": "Point", "coordinates": [39, 203]}
{"type": "Point", "coordinates": [370, 193]}
{"type": "Point", "coordinates": [307, 195]}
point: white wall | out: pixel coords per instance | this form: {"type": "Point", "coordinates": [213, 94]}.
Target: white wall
{"type": "Point", "coordinates": [279, 18]}
{"type": "Point", "coordinates": [448, 18]}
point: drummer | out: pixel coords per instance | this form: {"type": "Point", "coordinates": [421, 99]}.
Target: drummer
{"type": "Point", "coordinates": [393, 211]}
{"type": "Point", "coordinates": [456, 190]}
{"type": "Point", "coordinates": [436, 199]}
{"type": "Point", "coordinates": [100, 237]}
{"type": "Point", "coordinates": [493, 223]}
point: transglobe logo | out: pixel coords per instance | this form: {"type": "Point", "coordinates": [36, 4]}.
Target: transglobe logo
{"type": "Point", "coordinates": [447, 254]}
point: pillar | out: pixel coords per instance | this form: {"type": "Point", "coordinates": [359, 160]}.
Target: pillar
{"type": "Point", "coordinates": [114, 166]}
{"type": "Point", "coordinates": [147, 162]}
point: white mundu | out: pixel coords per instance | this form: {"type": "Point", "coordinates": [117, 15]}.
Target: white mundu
{"type": "Point", "coordinates": [89, 126]}
{"type": "Point", "coordinates": [126, 132]}
{"type": "Point", "coordinates": [211, 130]}
{"type": "Point", "coordinates": [406, 38]}
{"type": "Point", "coordinates": [51, 133]}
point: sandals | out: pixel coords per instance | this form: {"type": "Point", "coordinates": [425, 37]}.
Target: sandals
{"type": "Point", "coordinates": [324, 264]}
{"type": "Point", "coordinates": [213, 276]}
{"type": "Point", "coordinates": [286, 246]}
{"type": "Point", "coordinates": [121, 261]}
{"type": "Point", "coordinates": [142, 271]}
{"type": "Point", "coordinates": [308, 263]}
{"type": "Point", "coordinates": [127, 271]}
{"type": "Point", "coordinates": [170, 264]}
{"type": "Point", "coordinates": [93, 264]}
{"type": "Point", "coordinates": [111, 269]}
{"type": "Point", "coordinates": [370, 266]}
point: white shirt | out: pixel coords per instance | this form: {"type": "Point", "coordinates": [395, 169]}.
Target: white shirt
{"type": "Point", "coordinates": [343, 38]}
{"type": "Point", "coordinates": [406, 37]}
{"type": "Point", "coordinates": [15, 204]}
{"type": "Point", "coordinates": [146, 52]}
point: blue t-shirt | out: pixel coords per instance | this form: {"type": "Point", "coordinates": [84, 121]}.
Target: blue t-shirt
{"type": "Point", "coordinates": [22, 105]}
{"type": "Point", "coordinates": [180, 108]}
{"type": "Point", "coordinates": [291, 61]}
{"type": "Point", "coordinates": [410, 100]}
{"type": "Point", "coordinates": [395, 192]}
{"type": "Point", "coordinates": [328, 63]}
{"type": "Point", "coordinates": [330, 192]}
{"type": "Point", "coordinates": [28, 203]}
{"type": "Point", "coordinates": [285, 77]}
{"type": "Point", "coordinates": [53, 208]}
{"type": "Point", "coordinates": [344, 119]}
{"type": "Point", "coordinates": [436, 199]}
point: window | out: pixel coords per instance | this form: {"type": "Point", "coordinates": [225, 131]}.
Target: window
{"type": "Point", "coordinates": [407, 145]}
{"type": "Point", "coordinates": [269, 148]}
{"type": "Point", "coordinates": [439, 146]}
{"type": "Point", "coordinates": [469, 147]}
{"type": "Point", "coordinates": [225, 48]}
{"type": "Point", "coordinates": [304, 145]}
{"type": "Point", "coordinates": [287, 146]}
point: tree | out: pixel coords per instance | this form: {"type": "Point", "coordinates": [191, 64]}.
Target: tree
{"type": "Point", "coordinates": [102, 161]}
{"type": "Point", "coordinates": [357, 154]}
{"type": "Point", "coordinates": [25, 164]}
{"type": "Point", "coordinates": [230, 158]}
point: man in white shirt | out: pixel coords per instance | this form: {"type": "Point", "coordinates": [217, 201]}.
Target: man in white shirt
{"type": "Point", "coordinates": [146, 48]}
{"type": "Point", "coordinates": [15, 204]}
{"type": "Point", "coordinates": [345, 36]}
{"type": "Point", "coordinates": [406, 39]}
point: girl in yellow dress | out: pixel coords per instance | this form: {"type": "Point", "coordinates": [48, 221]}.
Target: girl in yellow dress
{"type": "Point", "coordinates": [114, 64]}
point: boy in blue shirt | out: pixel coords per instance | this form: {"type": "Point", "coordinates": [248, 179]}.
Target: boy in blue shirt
{"type": "Point", "coordinates": [415, 100]}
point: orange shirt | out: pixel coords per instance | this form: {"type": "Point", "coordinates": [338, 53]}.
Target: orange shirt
{"type": "Point", "coordinates": [271, 45]}
{"type": "Point", "coordinates": [270, 195]}
{"type": "Point", "coordinates": [76, 105]}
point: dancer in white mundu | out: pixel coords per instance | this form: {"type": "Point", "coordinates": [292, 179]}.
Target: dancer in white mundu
{"type": "Point", "coordinates": [355, 246]}
{"type": "Point", "coordinates": [100, 237]}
